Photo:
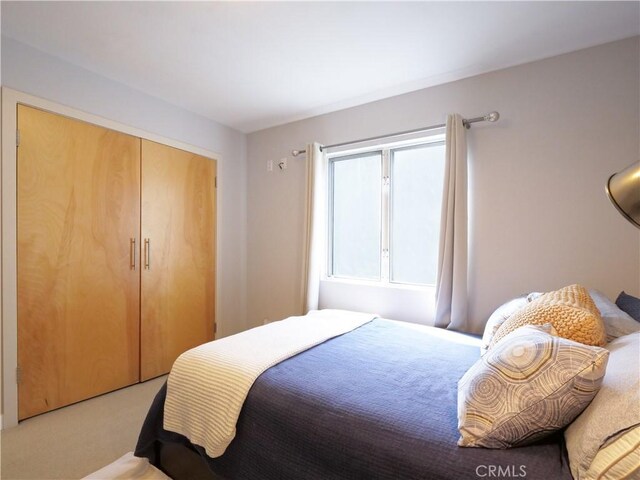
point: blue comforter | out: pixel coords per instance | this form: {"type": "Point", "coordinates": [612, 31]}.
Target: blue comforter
{"type": "Point", "coordinates": [376, 403]}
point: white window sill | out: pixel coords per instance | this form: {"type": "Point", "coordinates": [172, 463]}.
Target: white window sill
{"type": "Point", "coordinates": [379, 284]}
{"type": "Point", "coordinates": [409, 303]}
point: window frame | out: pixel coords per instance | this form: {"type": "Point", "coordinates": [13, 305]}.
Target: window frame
{"type": "Point", "coordinates": [386, 198]}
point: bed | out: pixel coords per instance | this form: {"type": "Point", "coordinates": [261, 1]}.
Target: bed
{"type": "Point", "coordinates": [378, 402]}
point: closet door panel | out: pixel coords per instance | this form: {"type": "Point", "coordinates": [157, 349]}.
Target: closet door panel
{"type": "Point", "coordinates": [178, 231]}
{"type": "Point", "coordinates": [78, 296]}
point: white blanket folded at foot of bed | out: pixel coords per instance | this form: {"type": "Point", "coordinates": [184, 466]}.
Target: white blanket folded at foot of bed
{"type": "Point", "coordinates": [208, 384]}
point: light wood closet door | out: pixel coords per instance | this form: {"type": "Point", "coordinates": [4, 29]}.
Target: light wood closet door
{"type": "Point", "coordinates": [78, 297]}
{"type": "Point", "coordinates": [178, 276]}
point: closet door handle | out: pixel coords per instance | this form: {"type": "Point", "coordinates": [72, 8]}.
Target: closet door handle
{"type": "Point", "coordinates": [147, 253]}
{"type": "Point", "coordinates": [132, 253]}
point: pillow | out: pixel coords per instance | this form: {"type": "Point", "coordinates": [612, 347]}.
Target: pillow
{"type": "Point", "coordinates": [534, 295]}
{"type": "Point", "coordinates": [498, 317]}
{"type": "Point", "coordinates": [629, 304]}
{"type": "Point", "coordinates": [570, 310]}
{"type": "Point", "coordinates": [616, 322]}
{"type": "Point", "coordinates": [528, 385]}
{"type": "Point", "coordinates": [615, 409]}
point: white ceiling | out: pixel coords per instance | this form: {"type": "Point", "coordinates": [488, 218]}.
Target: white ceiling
{"type": "Point", "coordinates": [252, 65]}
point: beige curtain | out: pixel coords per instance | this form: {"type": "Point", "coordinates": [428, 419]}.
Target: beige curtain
{"type": "Point", "coordinates": [315, 227]}
{"type": "Point", "coordinates": [451, 283]}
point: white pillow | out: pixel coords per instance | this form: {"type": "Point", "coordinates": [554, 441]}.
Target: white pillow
{"type": "Point", "coordinates": [617, 323]}
{"type": "Point", "coordinates": [498, 317]}
{"type": "Point", "coordinates": [615, 409]}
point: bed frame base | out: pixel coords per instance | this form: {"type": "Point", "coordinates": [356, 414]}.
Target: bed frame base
{"type": "Point", "coordinates": [182, 463]}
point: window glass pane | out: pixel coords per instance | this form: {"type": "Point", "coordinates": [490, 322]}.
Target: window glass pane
{"type": "Point", "coordinates": [417, 176]}
{"type": "Point", "coordinates": [356, 216]}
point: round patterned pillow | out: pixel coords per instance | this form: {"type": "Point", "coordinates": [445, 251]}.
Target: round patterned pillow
{"type": "Point", "coordinates": [527, 386]}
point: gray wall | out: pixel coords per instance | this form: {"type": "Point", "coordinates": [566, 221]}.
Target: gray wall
{"type": "Point", "coordinates": [35, 72]}
{"type": "Point", "coordinates": [539, 216]}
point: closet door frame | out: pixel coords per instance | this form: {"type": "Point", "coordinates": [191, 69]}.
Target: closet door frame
{"type": "Point", "coordinates": [8, 280]}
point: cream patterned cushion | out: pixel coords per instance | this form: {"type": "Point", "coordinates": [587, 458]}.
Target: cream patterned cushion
{"type": "Point", "coordinates": [619, 459]}
{"type": "Point", "coordinates": [528, 385]}
{"type": "Point", "coordinates": [570, 310]}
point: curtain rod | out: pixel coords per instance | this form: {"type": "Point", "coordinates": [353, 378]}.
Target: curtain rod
{"type": "Point", "coordinates": [489, 117]}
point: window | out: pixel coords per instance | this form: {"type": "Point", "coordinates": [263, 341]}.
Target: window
{"type": "Point", "coordinates": [384, 213]}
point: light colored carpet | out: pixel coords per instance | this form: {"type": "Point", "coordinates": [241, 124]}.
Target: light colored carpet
{"type": "Point", "coordinates": [74, 441]}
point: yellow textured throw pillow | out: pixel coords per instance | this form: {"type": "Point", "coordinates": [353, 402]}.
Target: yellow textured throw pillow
{"type": "Point", "coordinates": [570, 310]}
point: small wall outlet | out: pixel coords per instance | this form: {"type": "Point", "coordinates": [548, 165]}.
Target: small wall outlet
{"type": "Point", "coordinates": [269, 165]}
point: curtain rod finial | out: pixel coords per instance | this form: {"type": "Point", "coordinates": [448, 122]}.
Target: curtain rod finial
{"type": "Point", "coordinates": [492, 117]}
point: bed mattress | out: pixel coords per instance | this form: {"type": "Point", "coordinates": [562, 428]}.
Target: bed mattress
{"type": "Point", "coordinates": [376, 403]}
